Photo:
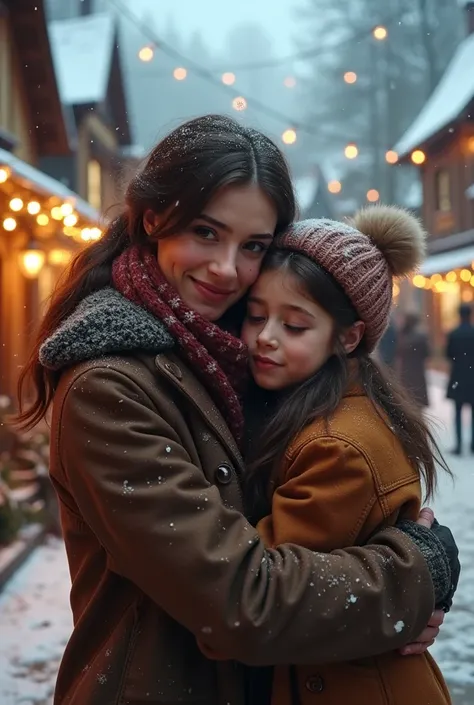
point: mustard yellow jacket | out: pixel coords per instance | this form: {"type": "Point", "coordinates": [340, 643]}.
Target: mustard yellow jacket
{"type": "Point", "coordinates": [340, 482]}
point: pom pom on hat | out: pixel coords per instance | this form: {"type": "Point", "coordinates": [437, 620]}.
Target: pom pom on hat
{"type": "Point", "coordinates": [398, 235]}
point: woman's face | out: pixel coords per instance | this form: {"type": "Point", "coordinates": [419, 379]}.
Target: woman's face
{"type": "Point", "coordinates": [213, 262]}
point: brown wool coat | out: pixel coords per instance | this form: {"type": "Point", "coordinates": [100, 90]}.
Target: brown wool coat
{"type": "Point", "coordinates": [160, 555]}
{"type": "Point", "coordinates": [339, 484]}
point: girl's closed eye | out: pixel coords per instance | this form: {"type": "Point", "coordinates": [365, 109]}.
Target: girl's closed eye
{"type": "Point", "coordinates": [295, 329]}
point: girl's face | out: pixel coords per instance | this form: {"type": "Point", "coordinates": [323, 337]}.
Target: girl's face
{"type": "Point", "coordinates": [217, 258]}
{"type": "Point", "coordinates": [289, 336]}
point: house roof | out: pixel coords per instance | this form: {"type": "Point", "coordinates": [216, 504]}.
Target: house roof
{"type": "Point", "coordinates": [32, 47]}
{"type": "Point", "coordinates": [41, 182]}
{"type": "Point", "coordinates": [83, 51]}
{"type": "Point", "coordinates": [452, 95]}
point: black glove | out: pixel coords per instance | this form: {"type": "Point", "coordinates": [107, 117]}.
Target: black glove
{"type": "Point", "coordinates": [449, 544]}
{"type": "Point", "coordinates": [439, 549]}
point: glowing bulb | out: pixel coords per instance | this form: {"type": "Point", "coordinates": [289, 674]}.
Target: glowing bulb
{"type": "Point", "coordinates": [395, 290]}
{"type": "Point", "coordinates": [4, 174]}
{"type": "Point", "coordinates": [33, 207]}
{"type": "Point", "coordinates": [95, 233]}
{"type": "Point", "coordinates": [86, 234]}
{"type": "Point", "coordinates": [66, 209]}
{"type": "Point", "coordinates": [334, 187]}
{"type": "Point", "coordinates": [418, 157]}
{"type": "Point", "coordinates": [59, 257]}
{"type": "Point", "coordinates": [373, 195]}
{"type": "Point", "coordinates": [9, 224]}
{"type": "Point", "coordinates": [391, 157]}
{"type": "Point", "coordinates": [451, 277]}
{"type": "Point", "coordinates": [56, 213]}
{"type": "Point", "coordinates": [228, 78]}
{"type": "Point", "coordinates": [289, 82]}
{"type": "Point", "coordinates": [351, 151]}
{"type": "Point", "coordinates": [70, 220]}
{"type": "Point", "coordinates": [180, 74]}
{"type": "Point", "coordinates": [289, 136]}
{"type": "Point", "coordinates": [16, 204]}
{"type": "Point", "coordinates": [239, 103]}
{"type": "Point", "coordinates": [31, 262]}
{"type": "Point", "coordinates": [419, 281]}
{"type": "Point", "coordinates": [380, 33]}
{"type": "Point", "coordinates": [42, 219]}
{"type": "Point", "coordinates": [465, 275]}
{"type": "Point", "coordinates": [350, 77]}
{"type": "Point", "coordinates": [146, 54]}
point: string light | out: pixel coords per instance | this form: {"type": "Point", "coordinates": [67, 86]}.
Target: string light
{"type": "Point", "coordinates": [239, 103]}
{"type": "Point", "coordinates": [9, 224]}
{"type": "Point", "coordinates": [42, 219]}
{"type": "Point", "coordinates": [16, 204]}
{"type": "Point", "coordinates": [465, 275]}
{"type": "Point", "coordinates": [380, 33]}
{"type": "Point", "coordinates": [351, 151]}
{"type": "Point", "coordinates": [350, 77]}
{"type": "Point", "coordinates": [418, 157]}
{"type": "Point", "coordinates": [391, 157]}
{"type": "Point", "coordinates": [66, 209]}
{"type": "Point", "coordinates": [33, 207]}
{"type": "Point", "coordinates": [58, 257]}
{"type": "Point", "coordinates": [32, 262]}
{"type": "Point", "coordinates": [56, 213]}
{"type": "Point", "coordinates": [70, 220]}
{"type": "Point", "coordinates": [451, 277]}
{"type": "Point", "coordinates": [289, 82]}
{"type": "Point", "coordinates": [180, 73]}
{"type": "Point", "coordinates": [146, 54]}
{"type": "Point", "coordinates": [228, 78]}
{"type": "Point", "coordinates": [334, 187]}
{"type": "Point", "coordinates": [4, 174]}
{"type": "Point", "coordinates": [289, 136]}
{"type": "Point", "coordinates": [419, 281]}
{"type": "Point", "coordinates": [373, 195]}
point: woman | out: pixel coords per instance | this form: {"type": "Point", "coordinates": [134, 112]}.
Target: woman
{"type": "Point", "coordinates": [145, 458]}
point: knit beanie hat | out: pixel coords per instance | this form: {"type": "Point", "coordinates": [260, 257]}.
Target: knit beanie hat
{"type": "Point", "coordinates": [363, 256]}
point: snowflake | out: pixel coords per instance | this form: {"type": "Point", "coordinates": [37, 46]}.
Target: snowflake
{"type": "Point", "coordinates": [189, 316]}
{"type": "Point", "coordinates": [212, 367]}
{"type": "Point", "coordinates": [175, 301]}
{"type": "Point", "coordinates": [169, 320]}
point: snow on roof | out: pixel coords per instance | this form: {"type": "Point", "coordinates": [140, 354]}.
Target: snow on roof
{"type": "Point", "coordinates": [82, 52]}
{"type": "Point", "coordinates": [40, 181]}
{"type": "Point", "coordinates": [451, 96]}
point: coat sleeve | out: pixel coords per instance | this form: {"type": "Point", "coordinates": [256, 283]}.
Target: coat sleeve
{"type": "Point", "coordinates": [325, 497]}
{"type": "Point", "coordinates": [166, 529]}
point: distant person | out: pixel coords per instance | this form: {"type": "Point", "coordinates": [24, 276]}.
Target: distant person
{"type": "Point", "coordinates": [460, 352]}
{"type": "Point", "coordinates": [387, 348]}
{"type": "Point", "coordinates": [412, 353]}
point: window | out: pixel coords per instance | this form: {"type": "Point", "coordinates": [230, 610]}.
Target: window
{"type": "Point", "coordinates": [94, 184]}
{"type": "Point", "coordinates": [443, 191]}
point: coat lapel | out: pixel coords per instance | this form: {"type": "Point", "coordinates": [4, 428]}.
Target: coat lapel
{"type": "Point", "coordinates": [181, 377]}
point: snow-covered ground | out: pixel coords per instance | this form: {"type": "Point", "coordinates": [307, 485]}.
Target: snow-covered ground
{"type": "Point", "coordinates": [35, 620]}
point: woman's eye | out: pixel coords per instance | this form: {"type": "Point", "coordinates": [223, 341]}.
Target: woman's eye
{"type": "Point", "coordinates": [204, 232]}
{"type": "Point", "coordinates": [256, 247]}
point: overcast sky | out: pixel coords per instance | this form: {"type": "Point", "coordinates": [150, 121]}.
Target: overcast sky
{"type": "Point", "coordinates": [215, 17]}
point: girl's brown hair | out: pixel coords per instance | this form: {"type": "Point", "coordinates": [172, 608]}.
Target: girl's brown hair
{"type": "Point", "coordinates": [288, 413]}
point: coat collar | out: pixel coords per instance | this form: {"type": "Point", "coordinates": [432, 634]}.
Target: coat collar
{"type": "Point", "coordinates": [104, 323]}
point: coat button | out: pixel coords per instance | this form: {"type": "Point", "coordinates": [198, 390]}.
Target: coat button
{"type": "Point", "coordinates": [224, 474]}
{"type": "Point", "coordinates": [174, 370]}
{"type": "Point", "coordinates": [315, 684]}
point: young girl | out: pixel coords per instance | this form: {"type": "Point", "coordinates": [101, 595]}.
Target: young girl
{"type": "Point", "coordinates": [344, 451]}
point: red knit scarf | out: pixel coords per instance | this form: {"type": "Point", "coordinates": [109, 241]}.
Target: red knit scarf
{"type": "Point", "coordinates": [217, 357]}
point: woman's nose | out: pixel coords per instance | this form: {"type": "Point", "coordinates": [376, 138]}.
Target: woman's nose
{"type": "Point", "coordinates": [224, 266]}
